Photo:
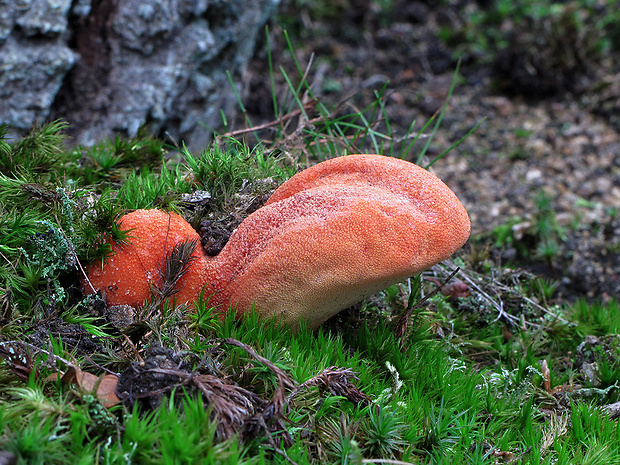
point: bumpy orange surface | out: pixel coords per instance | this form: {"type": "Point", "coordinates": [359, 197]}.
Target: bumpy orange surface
{"type": "Point", "coordinates": [327, 238]}
{"type": "Point", "coordinates": [132, 269]}
{"type": "Point", "coordinates": [339, 232]}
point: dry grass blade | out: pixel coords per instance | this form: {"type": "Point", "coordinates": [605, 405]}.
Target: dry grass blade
{"type": "Point", "coordinates": [163, 371]}
{"type": "Point", "coordinates": [284, 380]}
{"type": "Point", "coordinates": [230, 404]}
{"type": "Point", "coordinates": [274, 411]}
{"type": "Point", "coordinates": [176, 264]}
{"type": "Point", "coordinates": [270, 418]}
{"type": "Point", "coordinates": [237, 410]}
{"type": "Point", "coordinates": [546, 376]}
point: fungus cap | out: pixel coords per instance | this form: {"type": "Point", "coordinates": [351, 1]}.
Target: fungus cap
{"type": "Point", "coordinates": [336, 233]}
{"type": "Point", "coordinates": [127, 275]}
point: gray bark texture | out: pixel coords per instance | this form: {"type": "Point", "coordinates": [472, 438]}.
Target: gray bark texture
{"type": "Point", "coordinates": [109, 66]}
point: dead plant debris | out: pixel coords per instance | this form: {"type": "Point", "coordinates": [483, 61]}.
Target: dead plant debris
{"type": "Point", "coordinates": [161, 372]}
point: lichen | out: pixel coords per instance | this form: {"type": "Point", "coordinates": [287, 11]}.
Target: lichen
{"type": "Point", "coordinates": [51, 250]}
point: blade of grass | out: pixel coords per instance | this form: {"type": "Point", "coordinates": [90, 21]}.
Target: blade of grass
{"type": "Point", "coordinates": [300, 70]}
{"type": "Point", "coordinates": [272, 82]}
{"type": "Point", "coordinates": [388, 126]}
{"type": "Point", "coordinates": [295, 92]}
{"type": "Point", "coordinates": [241, 105]}
{"type": "Point", "coordinates": [457, 143]}
{"type": "Point", "coordinates": [402, 152]}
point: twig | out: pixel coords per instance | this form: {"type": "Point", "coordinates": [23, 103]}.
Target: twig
{"type": "Point", "coordinates": [388, 461]}
{"type": "Point", "coordinates": [282, 119]}
{"type": "Point", "coordinates": [613, 410]}
{"type": "Point", "coordinates": [499, 306]}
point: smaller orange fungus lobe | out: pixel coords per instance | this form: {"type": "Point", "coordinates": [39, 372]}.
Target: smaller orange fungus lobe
{"type": "Point", "coordinates": [133, 268]}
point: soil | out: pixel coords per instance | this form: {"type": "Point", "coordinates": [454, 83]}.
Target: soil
{"type": "Point", "coordinates": [552, 130]}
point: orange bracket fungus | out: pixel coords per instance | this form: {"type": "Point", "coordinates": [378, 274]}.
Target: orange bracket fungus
{"type": "Point", "coordinates": [327, 238]}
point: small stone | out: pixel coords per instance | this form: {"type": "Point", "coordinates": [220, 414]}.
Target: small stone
{"type": "Point", "coordinates": [120, 316]}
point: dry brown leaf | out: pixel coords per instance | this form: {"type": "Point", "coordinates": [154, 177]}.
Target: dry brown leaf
{"type": "Point", "coordinates": [506, 456]}
{"type": "Point", "coordinates": [104, 387]}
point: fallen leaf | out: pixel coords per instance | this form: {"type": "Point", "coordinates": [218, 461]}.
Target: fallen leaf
{"type": "Point", "coordinates": [506, 456]}
{"type": "Point", "coordinates": [104, 387]}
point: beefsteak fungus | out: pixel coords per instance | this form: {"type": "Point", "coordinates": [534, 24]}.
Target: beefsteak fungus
{"type": "Point", "coordinates": [327, 238]}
